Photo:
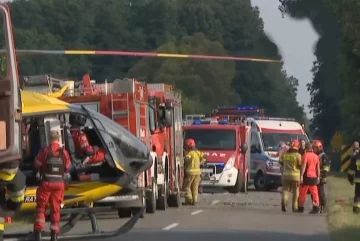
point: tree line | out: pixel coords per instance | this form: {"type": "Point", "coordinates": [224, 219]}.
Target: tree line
{"type": "Point", "coordinates": [335, 87]}
{"type": "Point", "coordinates": [212, 27]}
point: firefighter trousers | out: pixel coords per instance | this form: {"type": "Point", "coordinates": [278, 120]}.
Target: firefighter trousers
{"type": "Point", "coordinates": [356, 206]}
{"type": "Point", "coordinates": [49, 193]}
{"type": "Point", "coordinates": [322, 195]}
{"type": "Point", "coordinates": [191, 186]}
{"type": "Point", "coordinates": [289, 186]}
{"type": "Point", "coordinates": [313, 189]}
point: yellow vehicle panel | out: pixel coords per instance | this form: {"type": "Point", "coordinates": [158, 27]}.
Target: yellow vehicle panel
{"type": "Point", "coordinates": [77, 192]}
{"type": "Point", "coordinates": [34, 103]}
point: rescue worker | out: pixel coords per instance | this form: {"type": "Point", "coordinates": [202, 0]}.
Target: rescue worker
{"type": "Point", "coordinates": [54, 165]}
{"type": "Point", "coordinates": [355, 148]}
{"type": "Point", "coordinates": [12, 192]}
{"type": "Point", "coordinates": [324, 170]}
{"type": "Point", "coordinates": [290, 162]}
{"type": "Point", "coordinates": [309, 179]}
{"type": "Point", "coordinates": [193, 160]}
{"type": "Point", "coordinates": [89, 154]}
{"type": "Point", "coordinates": [302, 147]}
{"type": "Point", "coordinates": [354, 178]}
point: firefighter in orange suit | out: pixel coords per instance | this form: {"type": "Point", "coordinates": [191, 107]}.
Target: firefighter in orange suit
{"type": "Point", "coordinates": [310, 177]}
{"type": "Point", "coordinates": [90, 155]}
{"type": "Point", "coordinates": [324, 170]}
{"type": "Point", "coordinates": [354, 179]}
{"type": "Point", "coordinates": [291, 163]}
{"type": "Point", "coordinates": [54, 165]}
{"type": "Point", "coordinates": [193, 160]}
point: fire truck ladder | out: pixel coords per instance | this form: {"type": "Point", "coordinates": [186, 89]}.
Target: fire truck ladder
{"type": "Point", "coordinates": [120, 113]}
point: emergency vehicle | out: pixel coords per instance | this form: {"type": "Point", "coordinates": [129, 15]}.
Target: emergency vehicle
{"type": "Point", "coordinates": [153, 113]}
{"type": "Point", "coordinates": [226, 146]}
{"type": "Point", "coordinates": [266, 135]}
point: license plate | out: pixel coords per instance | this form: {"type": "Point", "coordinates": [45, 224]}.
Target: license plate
{"type": "Point", "coordinates": [206, 170]}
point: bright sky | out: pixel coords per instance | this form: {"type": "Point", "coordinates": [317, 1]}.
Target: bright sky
{"type": "Point", "coordinates": [295, 40]}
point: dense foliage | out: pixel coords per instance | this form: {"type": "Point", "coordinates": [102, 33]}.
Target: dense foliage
{"type": "Point", "coordinates": [336, 84]}
{"type": "Point", "coordinates": [218, 27]}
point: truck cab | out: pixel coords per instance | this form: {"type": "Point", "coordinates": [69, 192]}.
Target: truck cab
{"type": "Point", "coordinates": [225, 146]}
{"type": "Point", "coordinates": [266, 135]}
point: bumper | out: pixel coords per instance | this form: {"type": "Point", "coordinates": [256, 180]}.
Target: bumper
{"type": "Point", "coordinates": [224, 179]}
{"type": "Point", "coordinates": [273, 179]}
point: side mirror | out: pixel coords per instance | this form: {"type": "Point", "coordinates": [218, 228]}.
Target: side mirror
{"type": "Point", "coordinates": [152, 120]}
{"type": "Point", "coordinates": [244, 148]}
{"type": "Point", "coordinates": [168, 117]}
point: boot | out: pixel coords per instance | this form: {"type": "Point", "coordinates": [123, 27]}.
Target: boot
{"type": "Point", "coordinates": [53, 236]}
{"type": "Point", "coordinates": [37, 236]}
{"type": "Point", "coordinates": [295, 210]}
{"type": "Point", "coordinates": [315, 210]}
{"type": "Point", "coordinates": [300, 209]}
{"type": "Point", "coordinates": [283, 207]}
{"type": "Point", "coordinates": [356, 210]}
{"type": "Point", "coordinates": [322, 209]}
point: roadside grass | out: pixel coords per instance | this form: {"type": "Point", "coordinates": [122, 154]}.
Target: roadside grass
{"type": "Point", "coordinates": [343, 224]}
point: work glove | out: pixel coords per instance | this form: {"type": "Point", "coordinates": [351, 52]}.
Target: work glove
{"type": "Point", "coordinates": [323, 180]}
{"type": "Point", "coordinates": [351, 179]}
{"type": "Point", "coordinates": [38, 176]}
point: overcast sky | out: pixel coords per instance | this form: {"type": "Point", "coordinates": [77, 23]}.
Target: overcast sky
{"type": "Point", "coordinates": [295, 40]}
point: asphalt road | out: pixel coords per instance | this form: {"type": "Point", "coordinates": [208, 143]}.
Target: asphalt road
{"type": "Point", "coordinates": [222, 216]}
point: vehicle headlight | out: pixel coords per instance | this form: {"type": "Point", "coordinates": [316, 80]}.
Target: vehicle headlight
{"type": "Point", "coordinates": [230, 163]}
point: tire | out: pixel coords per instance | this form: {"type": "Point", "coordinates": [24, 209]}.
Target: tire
{"type": "Point", "coordinates": [161, 202]}
{"type": "Point", "coordinates": [244, 187]}
{"type": "Point", "coordinates": [259, 182]}
{"type": "Point", "coordinates": [124, 212]}
{"type": "Point", "coordinates": [174, 199]}
{"type": "Point", "coordinates": [151, 198]}
{"type": "Point", "coordinates": [238, 185]}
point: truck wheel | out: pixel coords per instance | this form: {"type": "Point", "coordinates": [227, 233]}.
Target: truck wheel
{"type": "Point", "coordinates": [161, 203]}
{"type": "Point", "coordinates": [238, 184]}
{"type": "Point", "coordinates": [151, 198]}
{"type": "Point", "coordinates": [244, 187]}
{"type": "Point", "coordinates": [174, 199]}
{"type": "Point", "coordinates": [124, 212]}
{"type": "Point", "coordinates": [259, 182]}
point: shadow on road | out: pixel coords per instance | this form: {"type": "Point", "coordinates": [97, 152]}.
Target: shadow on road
{"type": "Point", "coordinates": [221, 235]}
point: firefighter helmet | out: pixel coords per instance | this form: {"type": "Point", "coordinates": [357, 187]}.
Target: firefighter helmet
{"type": "Point", "coordinates": [317, 144]}
{"type": "Point", "coordinates": [190, 143]}
{"type": "Point", "coordinates": [295, 144]}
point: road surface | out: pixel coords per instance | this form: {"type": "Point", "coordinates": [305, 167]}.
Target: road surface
{"type": "Point", "coordinates": [255, 216]}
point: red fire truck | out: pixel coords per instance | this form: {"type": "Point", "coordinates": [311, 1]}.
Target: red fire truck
{"type": "Point", "coordinates": [152, 112]}
{"type": "Point", "coordinates": [226, 146]}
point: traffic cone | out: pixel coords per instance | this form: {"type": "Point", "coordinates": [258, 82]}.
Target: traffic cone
{"type": "Point", "coordinates": [8, 220]}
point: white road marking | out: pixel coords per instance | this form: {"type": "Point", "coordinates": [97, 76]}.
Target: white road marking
{"type": "Point", "coordinates": [214, 202]}
{"type": "Point", "coordinates": [173, 225]}
{"type": "Point", "coordinates": [196, 212]}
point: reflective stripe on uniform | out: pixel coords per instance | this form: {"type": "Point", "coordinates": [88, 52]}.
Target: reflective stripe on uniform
{"type": "Point", "coordinates": [54, 227]}
{"type": "Point", "coordinates": [326, 168]}
{"type": "Point", "coordinates": [84, 145]}
{"type": "Point", "coordinates": [357, 204]}
{"type": "Point", "coordinates": [291, 174]}
{"type": "Point", "coordinates": [351, 172]}
{"type": "Point", "coordinates": [40, 220]}
{"type": "Point", "coordinates": [357, 180]}
{"type": "Point", "coordinates": [194, 171]}
{"type": "Point", "coordinates": [6, 176]}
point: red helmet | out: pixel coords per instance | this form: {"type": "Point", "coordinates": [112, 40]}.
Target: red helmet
{"type": "Point", "coordinates": [190, 143]}
{"type": "Point", "coordinates": [317, 144]}
{"type": "Point", "coordinates": [295, 144]}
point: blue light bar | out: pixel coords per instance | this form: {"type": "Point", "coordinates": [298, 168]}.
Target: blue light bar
{"type": "Point", "coordinates": [200, 122]}
{"type": "Point", "coordinates": [240, 108]}
{"type": "Point", "coordinates": [250, 107]}
{"type": "Point", "coordinates": [273, 118]}
{"type": "Point", "coordinates": [223, 122]}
